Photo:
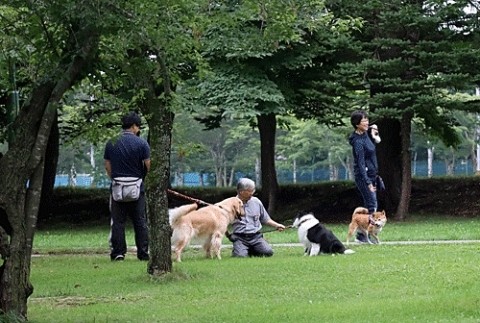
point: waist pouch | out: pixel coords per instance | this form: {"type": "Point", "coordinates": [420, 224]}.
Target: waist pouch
{"type": "Point", "coordinates": [126, 189]}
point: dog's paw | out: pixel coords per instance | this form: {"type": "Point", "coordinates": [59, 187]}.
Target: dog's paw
{"type": "Point", "coordinates": [349, 252]}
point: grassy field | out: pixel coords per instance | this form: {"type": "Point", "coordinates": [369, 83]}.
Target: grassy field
{"type": "Point", "coordinates": [77, 282]}
{"type": "Point", "coordinates": [81, 238]}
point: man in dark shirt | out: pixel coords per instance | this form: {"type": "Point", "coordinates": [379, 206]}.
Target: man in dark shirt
{"type": "Point", "coordinates": [128, 156]}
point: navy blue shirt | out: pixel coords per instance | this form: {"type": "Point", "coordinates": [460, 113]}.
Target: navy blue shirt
{"type": "Point", "coordinates": [365, 165]}
{"type": "Point", "coordinates": [126, 155]}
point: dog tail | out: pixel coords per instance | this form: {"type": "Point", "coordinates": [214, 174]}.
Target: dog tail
{"type": "Point", "coordinates": [348, 252]}
{"type": "Point", "coordinates": [360, 210]}
{"type": "Point", "coordinates": [176, 213]}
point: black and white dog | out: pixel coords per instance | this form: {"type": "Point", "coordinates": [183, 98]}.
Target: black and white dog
{"type": "Point", "coordinates": [316, 238]}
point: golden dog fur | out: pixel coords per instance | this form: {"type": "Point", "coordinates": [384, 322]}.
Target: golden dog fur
{"type": "Point", "coordinates": [361, 223]}
{"type": "Point", "coordinates": [208, 224]}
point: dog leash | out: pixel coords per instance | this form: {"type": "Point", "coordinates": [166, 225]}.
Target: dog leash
{"type": "Point", "coordinates": [229, 235]}
{"type": "Point", "coordinates": [272, 230]}
{"type": "Point", "coordinates": [198, 201]}
{"type": "Point", "coordinates": [188, 198]}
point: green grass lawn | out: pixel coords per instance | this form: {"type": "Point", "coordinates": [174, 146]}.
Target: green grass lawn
{"type": "Point", "coordinates": [81, 238]}
{"type": "Point", "coordinates": [379, 283]}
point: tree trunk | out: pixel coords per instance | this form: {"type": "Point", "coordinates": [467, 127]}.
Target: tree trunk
{"type": "Point", "coordinates": [258, 172]}
{"type": "Point", "coordinates": [476, 154]}
{"type": "Point", "coordinates": [406, 188]}
{"type": "Point", "coordinates": [160, 122]}
{"type": "Point", "coordinates": [294, 171]}
{"type": "Point", "coordinates": [267, 125]}
{"type": "Point", "coordinates": [389, 153]}
{"type": "Point", "coordinates": [21, 202]}
{"type": "Point", "coordinates": [51, 160]}
{"type": "Point", "coordinates": [158, 179]}
{"type": "Point", "coordinates": [231, 177]}
{"type": "Point", "coordinates": [23, 162]}
{"type": "Point", "coordinates": [394, 160]}
{"type": "Point", "coordinates": [22, 170]}
{"type": "Point", "coordinates": [430, 152]}
{"type": "Point", "coordinates": [414, 168]}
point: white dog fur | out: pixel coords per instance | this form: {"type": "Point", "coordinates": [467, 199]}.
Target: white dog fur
{"type": "Point", "coordinates": [319, 234]}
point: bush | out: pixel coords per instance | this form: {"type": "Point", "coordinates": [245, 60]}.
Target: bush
{"type": "Point", "coordinates": [76, 205]}
{"type": "Point", "coordinates": [329, 201]}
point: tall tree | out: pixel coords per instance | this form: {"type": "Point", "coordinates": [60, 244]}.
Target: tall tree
{"type": "Point", "coordinates": [407, 54]}
{"type": "Point", "coordinates": [146, 64]}
{"type": "Point", "coordinates": [54, 45]}
{"type": "Point", "coordinates": [141, 57]}
{"type": "Point", "coordinates": [252, 48]}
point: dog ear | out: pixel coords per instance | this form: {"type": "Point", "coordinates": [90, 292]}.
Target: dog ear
{"type": "Point", "coordinates": [239, 211]}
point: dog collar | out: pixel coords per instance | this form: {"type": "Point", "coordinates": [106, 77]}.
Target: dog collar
{"type": "Point", "coordinates": [302, 222]}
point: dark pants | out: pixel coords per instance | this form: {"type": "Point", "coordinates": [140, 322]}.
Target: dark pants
{"type": "Point", "coordinates": [369, 200]}
{"type": "Point", "coordinates": [245, 245]}
{"type": "Point", "coordinates": [136, 212]}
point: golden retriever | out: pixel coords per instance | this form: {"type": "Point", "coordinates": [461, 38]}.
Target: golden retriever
{"type": "Point", "coordinates": [361, 223]}
{"type": "Point", "coordinates": [208, 224]}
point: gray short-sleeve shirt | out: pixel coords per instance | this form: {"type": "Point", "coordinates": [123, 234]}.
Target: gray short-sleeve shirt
{"type": "Point", "coordinates": [255, 215]}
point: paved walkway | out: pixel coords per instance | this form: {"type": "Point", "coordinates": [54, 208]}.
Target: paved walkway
{"type": "Point", "coordinates": [383, 243]}
{"type": "Point", "coordinates": [298, 245]}
{"type": "Point", "coordinates": [430, 242]}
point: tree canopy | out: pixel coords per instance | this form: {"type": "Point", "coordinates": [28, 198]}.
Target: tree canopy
{"type": "Point", "coordinates": [222, 60]}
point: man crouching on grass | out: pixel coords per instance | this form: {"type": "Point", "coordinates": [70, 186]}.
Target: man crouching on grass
{"type": "Point", "coordinates": [246, 236]}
